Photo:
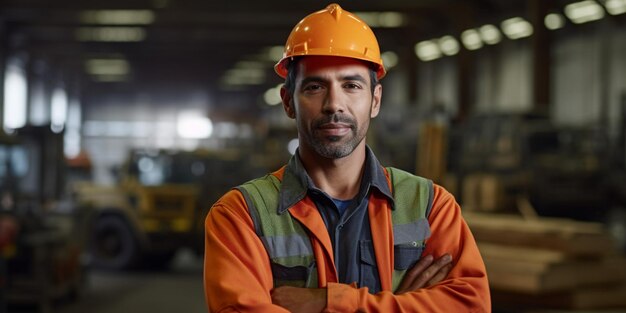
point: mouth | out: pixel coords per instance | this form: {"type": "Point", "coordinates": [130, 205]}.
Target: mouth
{"type": "Point", "coordinates": [335, 129]}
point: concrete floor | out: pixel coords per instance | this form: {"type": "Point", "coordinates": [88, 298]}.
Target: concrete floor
{"type": "Point", "coordinates": [176, 290]}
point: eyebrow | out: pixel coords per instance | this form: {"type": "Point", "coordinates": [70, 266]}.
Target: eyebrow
{"type": "Point", "coordinates": [355, 77]}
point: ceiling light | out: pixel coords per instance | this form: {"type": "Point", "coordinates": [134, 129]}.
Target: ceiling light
{"type": "Point", "coordinates": [272, 96]}
{"type": "Point", "coordinates": [584, 11]}
{"type": "Point", "coordinates": [117, 17]}
{"type": "Point", "coordinates": [15, 96]}
{"type": "Point", "coordinates": [276, 53]}
{"type": "Point", "coordinates": [390, 59]}
{"type": "Point", "coordinates": [193, 125]}
{"type": "Point", "coordinates": [471, 39]}
{"type": "Point", "coordinates": [111, 34]}
{"type": "Point", "coordinates": [516, 28]}
{"type": "Point", "coordinates": [383, 19]}
{"type": "Point", "coordinates": [58, 109]}
{"type": "Point", "coordinates": [427, 50]}
{"type": "Point", "coordinates": [251, 76]}
{"type": "Point", "coordinates": [490, 34]}
{"type": "Point", "coordinates": [391, 19]}
{"type": "Point", "coordinates": [554, 21]}
{"type": "Point", "coordinates": [249, 65]}
{"type": "Point", "coordinates": [615, 7]}
{"type": "Point", "coordinates": [449, 45]}
{"type": "Point", "coordinates": [107, 67]}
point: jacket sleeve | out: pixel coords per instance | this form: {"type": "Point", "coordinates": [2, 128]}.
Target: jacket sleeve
{"type": "Point", "coordinates": [465, 289]}
{"type": "Point", "coordinates": [237, 273]}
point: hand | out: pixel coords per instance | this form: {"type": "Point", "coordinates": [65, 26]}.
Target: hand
{"type": "Point", "coordinates": [425, 273]}
{"type": "Point", "coordinates": [297, 299]}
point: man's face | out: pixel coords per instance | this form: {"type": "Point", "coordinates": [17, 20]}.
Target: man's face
{"type": "Point", "coordinates": [332, 104]}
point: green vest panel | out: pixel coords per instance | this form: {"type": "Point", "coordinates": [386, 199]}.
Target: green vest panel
{"type": "Point", "coordinates": [289, 247]}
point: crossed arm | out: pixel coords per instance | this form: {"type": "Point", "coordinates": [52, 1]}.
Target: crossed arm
{"type": "Point", "coordinates": [238, 278]}
{"type": "Point", "coordinates": [426, 272]}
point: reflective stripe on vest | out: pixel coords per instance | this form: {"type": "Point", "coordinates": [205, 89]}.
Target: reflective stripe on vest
{"type": "Point", "coordinates": [289, 247]}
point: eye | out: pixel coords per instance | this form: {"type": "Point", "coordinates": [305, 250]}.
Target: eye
{"type": "Point", "coordinates": [312, 87]}
{"type": "Point", "coordinates": [352, 85]}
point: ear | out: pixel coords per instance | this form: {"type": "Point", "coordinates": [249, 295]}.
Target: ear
{"type": "Point", "coordinates": [378, 93]}
{"type": "Point", "coordinates": [287, 99]}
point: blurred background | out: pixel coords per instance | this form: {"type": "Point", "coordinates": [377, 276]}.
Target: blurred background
{"type": "Point", "coordinates": [123, 121]}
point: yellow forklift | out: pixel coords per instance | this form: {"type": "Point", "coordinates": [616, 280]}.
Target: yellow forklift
{"type": "Point", "coordinates": [157, 206]}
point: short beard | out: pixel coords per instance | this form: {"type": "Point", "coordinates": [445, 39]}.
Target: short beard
{"type": "Point", "coordinates": [335, 151]}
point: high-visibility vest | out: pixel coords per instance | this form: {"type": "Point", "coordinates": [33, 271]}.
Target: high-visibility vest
{"type": "Point", "coordinates": [289, 246]}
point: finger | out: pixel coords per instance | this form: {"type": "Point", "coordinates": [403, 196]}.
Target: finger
{"type": "Point", "coordinates": [422, 279]}
{"type": "Point", "coordinates": [412, 274]}
{"type": "Point", "coordinates": [441, 275]}
{"type": "Point", "coordinates": [426, 275]}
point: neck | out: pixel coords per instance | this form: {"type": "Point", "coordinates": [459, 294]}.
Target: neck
{"type": "Point", "coordinates": [339, 178]}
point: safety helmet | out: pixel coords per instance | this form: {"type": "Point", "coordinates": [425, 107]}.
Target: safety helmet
{"type": "Point", "coordinates": [332, 32]}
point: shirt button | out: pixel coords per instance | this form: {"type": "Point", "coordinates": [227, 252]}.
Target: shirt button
{"type": "Point", "coordinates": [414, 243]}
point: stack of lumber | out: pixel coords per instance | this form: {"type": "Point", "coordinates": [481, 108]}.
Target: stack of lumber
{"type": "Point", "coordinates": [549, 262]}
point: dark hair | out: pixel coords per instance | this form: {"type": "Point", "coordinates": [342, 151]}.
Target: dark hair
{"type": "Point", "coordinates": [292, 72]}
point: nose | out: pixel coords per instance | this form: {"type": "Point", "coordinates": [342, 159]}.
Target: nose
{"type": "Point", "coordinates": [334, 101]}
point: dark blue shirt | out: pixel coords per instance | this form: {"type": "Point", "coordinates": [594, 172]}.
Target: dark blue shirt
{"type": "Point", "coordinates": [348, 227]}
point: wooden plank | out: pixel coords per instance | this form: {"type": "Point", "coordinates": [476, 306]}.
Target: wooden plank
{"type": "Point", "coordinates": [602, 297]}
{"type": "Point", "coordinates": [571, 237]}
{"type": "Point", "coordinates": [523, 254]}
{"type": "Point", "coordinates": [538, 277]}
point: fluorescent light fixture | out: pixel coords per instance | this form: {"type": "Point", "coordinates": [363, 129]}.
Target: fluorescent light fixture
{"type": "Point", "coordinates": [193, 126]}
{"type": "Point", "coordinates": [516, 28]}
{"type": "Point", "coordinates": [247, 76]}
{"type": "Point", "coordinates": [58, 109]}
{"type": "Point", "coordinates": [250, 65]}
{"type": "Point", "coordinates": [108, 70]}
{"type": "Point", "coordinates": [383, 19]}
{"type": "Point", "coordinates": [554, 21]}
{"type": "Point", "coordinates": [490, 34]}
{"type": "Point", "coordinates": [272, 96]}
{"type": "Point", "coordinates": [449, 45]}
{"type": "Point", "coordinates": [615, 7]}
{"type": "Point", "coordinates": [390, 59]}
{"type": "Point", "coordinates": [72, 138]}
{"type": "Point", "coordinates": [276, 53]}
{"type": "Point", "coordinates": [15, 95]}
{"type": "Point", "coordinates": [471, 39]}
{"type": "Point", "coordinates": [391, 19]}
{"type": "Point", "coordinates": [117, 17]}
{"type": "Point", "coordinates": [107, 67]}
{"type": "Point", "coordinates": [427, 50]}
{"type": "Point", "coordinates": [110, 34]}
{"type": "Point", "coordinates": [584, 11]}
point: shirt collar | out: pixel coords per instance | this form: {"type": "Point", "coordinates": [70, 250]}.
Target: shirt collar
{"type": "Point", "coordinates": [296, 182]}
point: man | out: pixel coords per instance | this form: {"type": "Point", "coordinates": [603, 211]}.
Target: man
{"type": "Point", "coordinates": [333, 230]}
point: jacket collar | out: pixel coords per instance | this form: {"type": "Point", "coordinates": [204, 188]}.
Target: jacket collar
{"type": "Point", "coordinates": [296, 182]}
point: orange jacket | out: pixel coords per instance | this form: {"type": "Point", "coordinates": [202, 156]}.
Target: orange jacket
{"type": "Point", "coordinates": [238, 276]}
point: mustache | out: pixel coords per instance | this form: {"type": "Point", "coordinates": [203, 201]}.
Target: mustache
{"type": "Point", "coordinates": [335, 118]}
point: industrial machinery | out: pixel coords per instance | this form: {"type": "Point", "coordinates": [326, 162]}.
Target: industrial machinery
{"type": "Point", "coordinates": [42, 256]}
{"type": "Point", "coordinates": [529, 163]}
{"type": "Point", "coordinates": [157, 206]}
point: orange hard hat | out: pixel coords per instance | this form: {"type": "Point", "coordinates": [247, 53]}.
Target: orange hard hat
{"type": "Point", "coordinates": [332, 32]}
